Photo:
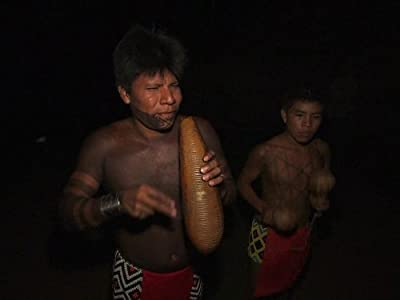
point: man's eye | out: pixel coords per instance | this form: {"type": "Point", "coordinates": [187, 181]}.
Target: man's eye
{"type": "Point", "coordinates": [152, 88]}
{"type": "Point", "coordinates": [299, 115]}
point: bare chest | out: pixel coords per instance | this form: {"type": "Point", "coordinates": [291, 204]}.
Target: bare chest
{"type": "Point", "coordinates": [132, 164]}
{"type": "Point", "coordinates": [292, 168]}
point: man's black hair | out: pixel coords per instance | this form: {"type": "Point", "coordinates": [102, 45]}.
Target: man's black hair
{"type": "Point", "coordinates": [142, 51]}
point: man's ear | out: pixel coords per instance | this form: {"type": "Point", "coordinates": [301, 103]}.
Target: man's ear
{"type": "Point", "coordinates": [124, 95]}
{"type": "Point", "coordinates": [284, 116]}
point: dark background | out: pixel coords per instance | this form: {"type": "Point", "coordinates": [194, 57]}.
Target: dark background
{"type": "Point", "coordinates": [58, 86]}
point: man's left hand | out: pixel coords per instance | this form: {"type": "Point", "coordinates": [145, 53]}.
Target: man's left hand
{"type": "Point", "coordinates": [212, 172]}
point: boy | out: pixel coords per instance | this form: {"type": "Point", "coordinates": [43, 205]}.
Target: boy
{"type": "Point", "coordinates": [278, 245]}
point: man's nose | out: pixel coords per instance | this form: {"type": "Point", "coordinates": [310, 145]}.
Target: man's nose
{"type": "Point", "coordinates": [167, 96]}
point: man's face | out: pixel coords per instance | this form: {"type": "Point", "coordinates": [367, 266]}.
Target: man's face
{"type": "Point", "coordinates": [302, 120]}
{"type": "Point", "coordinates": [154, 100]}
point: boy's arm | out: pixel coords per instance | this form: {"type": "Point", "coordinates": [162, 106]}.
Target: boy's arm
{"type": "Point", "coordinates": [250, 172]}
{"type": "Point", "coordinates": [325, 151]}
{"type": "Point", "coordinates": [321, 202]}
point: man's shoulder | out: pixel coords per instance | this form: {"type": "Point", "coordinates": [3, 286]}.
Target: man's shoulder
{"type": "Point", "coordinates": [203, 124]}
{"type": "Point", "coordinates": [107, 134]}
{"type": "Point", "coordinates": [200, 121]}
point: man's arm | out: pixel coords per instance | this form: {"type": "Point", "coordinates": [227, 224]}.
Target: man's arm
{"type": "Point", "coordinates": [80, 210]}
{"type": "Point", "coordinates": [77, 207]}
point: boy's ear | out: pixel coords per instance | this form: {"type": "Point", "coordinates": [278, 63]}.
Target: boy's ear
{"type": "Point", "coordinates": [284, 116]}
{"type": "Point", "coordinates": [124, 95]}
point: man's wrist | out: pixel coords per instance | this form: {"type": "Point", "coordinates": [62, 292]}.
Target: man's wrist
{"type": "Point", "coordinates": [110, 205]}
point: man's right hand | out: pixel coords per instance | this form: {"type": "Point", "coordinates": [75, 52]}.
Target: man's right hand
{"type": "Point", "coordinates": [143, 201]}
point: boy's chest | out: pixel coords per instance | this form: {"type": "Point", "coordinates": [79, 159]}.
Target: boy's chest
{"type": "Point", "coordinates": [293, 168]}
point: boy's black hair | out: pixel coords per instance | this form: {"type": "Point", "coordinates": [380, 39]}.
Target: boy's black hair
{"type": "Point", "coordinates": [303, 94]}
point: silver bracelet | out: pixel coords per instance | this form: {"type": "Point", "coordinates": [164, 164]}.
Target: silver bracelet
{"type": "Point", "coordinates": [110, 205]}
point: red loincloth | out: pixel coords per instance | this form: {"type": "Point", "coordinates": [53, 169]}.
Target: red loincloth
{"type": "Point", "coordinates": [283, 260]}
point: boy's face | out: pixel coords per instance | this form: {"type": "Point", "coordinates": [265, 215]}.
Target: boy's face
{"type": "Point", "coordinates": [302, 120]}
{"type": "Point", "coordinates": [154, 100]}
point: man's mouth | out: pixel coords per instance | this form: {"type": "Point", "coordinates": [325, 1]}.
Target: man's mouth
{"type": "Point", "coordinates": [167, 115]}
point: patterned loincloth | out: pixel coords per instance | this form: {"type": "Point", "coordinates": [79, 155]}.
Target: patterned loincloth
{"type": "Point", "coordinates": [257, 238]}
{"type": "Point", "coordinates": [133, 283]}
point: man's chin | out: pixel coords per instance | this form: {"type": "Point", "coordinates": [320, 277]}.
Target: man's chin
{"type": "Point", "coordinates": [167, 124]}
{"type": "Point", "coordinates": [164, 126]}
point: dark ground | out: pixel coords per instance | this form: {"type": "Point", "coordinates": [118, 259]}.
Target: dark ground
{"type": "Point", "coordinates": [60, 88]}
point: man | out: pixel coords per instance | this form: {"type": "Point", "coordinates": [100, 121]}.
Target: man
{"type": "Point", "coordinates": [278, 244]}
{"type": "Point", "coordinates": [136, 161]}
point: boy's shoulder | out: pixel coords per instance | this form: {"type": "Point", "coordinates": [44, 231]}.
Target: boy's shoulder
{"type": "Point", "coordinates": [275, 143]}
{"type": "Point", "coordinates": [321, 145]}
{"type": "Point", "coordinates": [269, 146]}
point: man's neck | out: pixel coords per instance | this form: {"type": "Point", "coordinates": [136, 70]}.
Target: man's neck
{"type": "Point", "coordinates": [148, 134]}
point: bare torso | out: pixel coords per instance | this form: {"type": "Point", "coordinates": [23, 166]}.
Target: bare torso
{"type": "Point", "coordinates": [156, 243]}
{"type": "Point", "coordinates": [286, 169]}
{"type": "Point", "coordinates": [143, 166]}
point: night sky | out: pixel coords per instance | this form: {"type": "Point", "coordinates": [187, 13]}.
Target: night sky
{"type": "Point", "coordinates": [58, 79]}
{"type": "Point", "coordinates": [59, 64]}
